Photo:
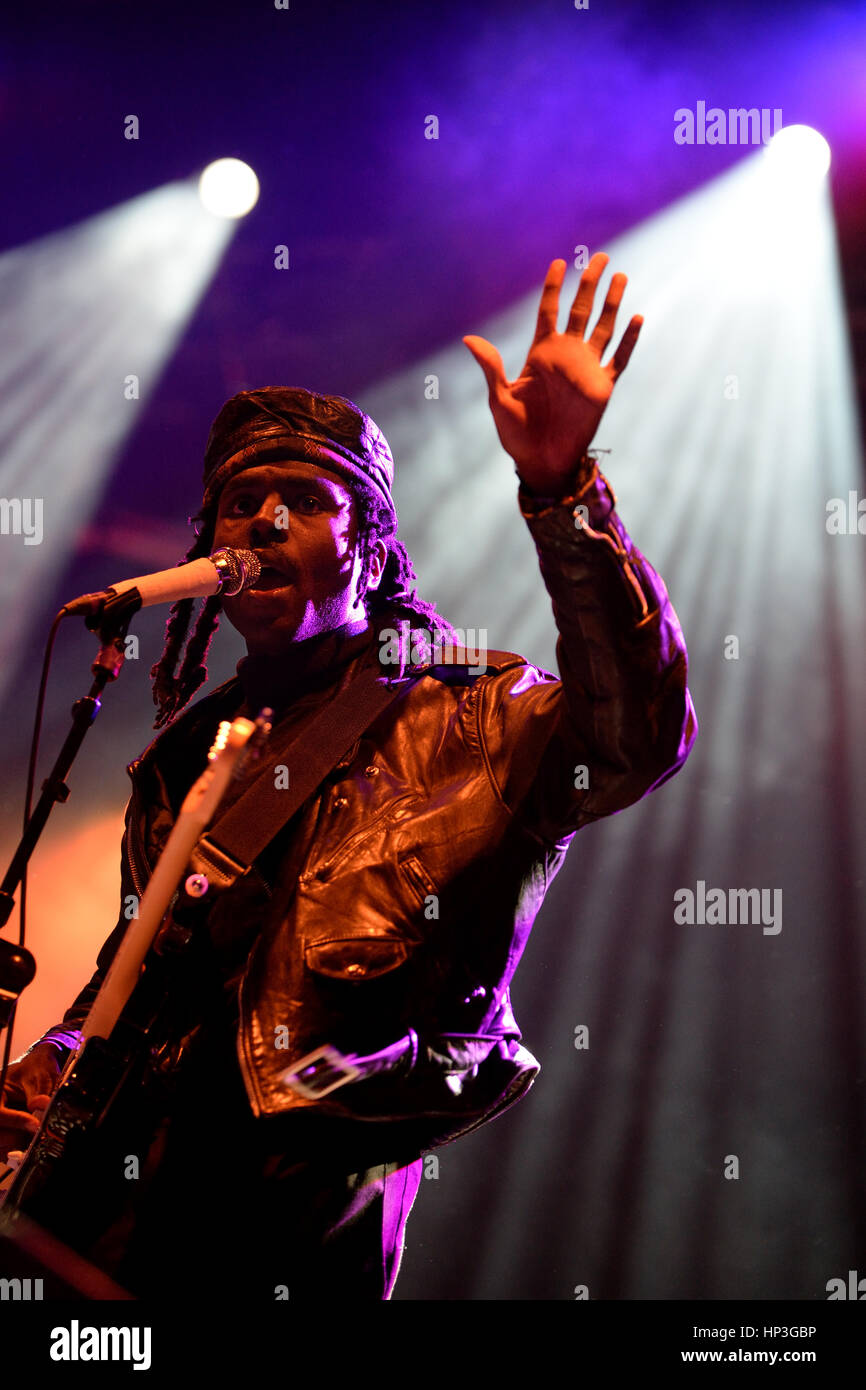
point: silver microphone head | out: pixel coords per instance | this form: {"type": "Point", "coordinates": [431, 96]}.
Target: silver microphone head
{"type": "Point", "coordinates": [238, 569]}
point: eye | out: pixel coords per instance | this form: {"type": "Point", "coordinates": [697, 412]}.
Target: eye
{"type": "Point", "coordinates": [246, 504]}
{"type": "Point", "coordinates": [240, 505]}
{"type": "Point", "coordinates": [311, 497]}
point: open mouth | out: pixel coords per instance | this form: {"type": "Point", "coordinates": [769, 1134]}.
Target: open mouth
{"type": "Point", "coordinates": [272, 579]}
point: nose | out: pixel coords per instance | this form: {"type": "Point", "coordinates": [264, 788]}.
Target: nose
{"type": "Point", "coordinates": [263, 527]}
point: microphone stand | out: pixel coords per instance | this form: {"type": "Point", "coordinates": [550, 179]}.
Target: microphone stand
{"type": "Point", "coordinates": [110, 621]}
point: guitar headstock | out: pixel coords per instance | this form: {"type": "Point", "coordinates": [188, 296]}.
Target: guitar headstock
{"type": "Point", "coordinates": [231, 741]}
{"type": "Point", "coordinates": [257, 740]}
{"type": "Point", "coordinates": [231, 736]}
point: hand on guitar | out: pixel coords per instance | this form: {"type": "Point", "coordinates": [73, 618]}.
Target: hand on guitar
{"type": "Point", "coordinates": [48, 1181]}
{"type": "Point", "coordinates": [30, 1085]}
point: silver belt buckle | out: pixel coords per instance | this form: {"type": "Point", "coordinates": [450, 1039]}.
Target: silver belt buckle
{"type": "Point", "coordinates": [319, 1073]}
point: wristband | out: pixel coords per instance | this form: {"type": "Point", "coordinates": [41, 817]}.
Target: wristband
{"type": "Point", "coordinates": [538, 505]}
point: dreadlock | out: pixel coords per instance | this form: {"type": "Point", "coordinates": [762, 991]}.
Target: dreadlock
{"type": "Point", "coordinates": [394, 599]}
{"type": "Point", "coordinates": [171, 692]}
{"type": "Point", "coordinates": [395, 595]}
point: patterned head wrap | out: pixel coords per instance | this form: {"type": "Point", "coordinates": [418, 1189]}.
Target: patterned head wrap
{"type": "Point", "coordinates": [290, 422]}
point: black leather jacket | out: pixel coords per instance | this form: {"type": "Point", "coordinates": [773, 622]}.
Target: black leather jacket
{"type": "Point", "coordinates": [407, 885]}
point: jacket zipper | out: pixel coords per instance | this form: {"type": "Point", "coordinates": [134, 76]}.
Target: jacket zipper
{"type": "Point", "coordinates": [350, 844]}
{"type": "Point", "coordinates": [138, 880]}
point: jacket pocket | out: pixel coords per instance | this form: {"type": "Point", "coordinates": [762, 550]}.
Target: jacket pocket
{"type": "Point", "coordinates": [355, 957]}
{"type": "Point", "coordinates": [418, 879]}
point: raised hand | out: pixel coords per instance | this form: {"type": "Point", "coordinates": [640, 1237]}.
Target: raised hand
{"type": "Point", "coordinates": [548, 416]}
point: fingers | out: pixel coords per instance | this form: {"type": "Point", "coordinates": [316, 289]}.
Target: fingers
{"type": "Point", "coordinates": [548, 309]}
{"type": "Point", "coordinates": [603, 331]}
{"type": "Point", "coordinates": [620, 358]}
{"type": "Point", "coordinates": [582, 306]}
{"type": "Point", "coordinates": [17, 1121]}
{"type": "Point", "coordinates": [489, 361]}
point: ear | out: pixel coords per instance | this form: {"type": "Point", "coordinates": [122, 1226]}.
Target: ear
{"type": "Point", "coordinates": [377, 564]}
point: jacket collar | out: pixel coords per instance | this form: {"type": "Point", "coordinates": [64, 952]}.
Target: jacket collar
{"type": "Point", "coordinates": [242, 693]}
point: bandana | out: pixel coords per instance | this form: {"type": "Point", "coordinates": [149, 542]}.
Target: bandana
{"type": "Point", "coordinates": [293, 423]}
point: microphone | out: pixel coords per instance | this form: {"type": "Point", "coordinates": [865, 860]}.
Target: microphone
{"type": "Point", "coordinates": [226, 571]}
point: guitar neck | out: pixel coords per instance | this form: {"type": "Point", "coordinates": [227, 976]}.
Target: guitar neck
{"type": "Point", "coordinates": [125, 969]}
{"type": "Point", "coordinates": [194, 817]}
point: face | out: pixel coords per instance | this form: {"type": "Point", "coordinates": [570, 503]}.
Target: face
{"type": "Point", "coordinates": [302, 522]}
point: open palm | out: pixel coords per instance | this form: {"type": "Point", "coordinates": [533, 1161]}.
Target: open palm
{"type": "Point", "coordinates": [548, 416]}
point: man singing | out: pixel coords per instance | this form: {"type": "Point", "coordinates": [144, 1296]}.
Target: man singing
{"type": "Point", "coordinates": [386, 917]}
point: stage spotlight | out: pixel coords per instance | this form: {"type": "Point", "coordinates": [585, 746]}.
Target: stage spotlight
{"type": "Point", "coordinates": [732, 431]}
{"type": "Point", "coordinates": [228, 188]}
{"type": "Point", "coordinates": [75, 377]}
{"type": "Point", "coordinates": [799, 153]}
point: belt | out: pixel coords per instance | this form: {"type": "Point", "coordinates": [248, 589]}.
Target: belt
{"type": "Point", "coordinates": [326, 1069]}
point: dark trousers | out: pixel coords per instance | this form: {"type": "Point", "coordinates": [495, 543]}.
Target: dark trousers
{"type": "Point", "coordinates": [228, 1204]}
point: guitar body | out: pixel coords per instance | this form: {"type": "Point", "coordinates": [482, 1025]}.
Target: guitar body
{"type": "Point", "coordinates": [78, 1175]}
{"type": "Point", "coordinates": [70, 1185]}
{"type": "Point", "coordinates": [81, 1168]}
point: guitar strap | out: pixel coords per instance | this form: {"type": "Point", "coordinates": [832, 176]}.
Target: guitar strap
{"type": "Point", "coordinates": [239, 836]}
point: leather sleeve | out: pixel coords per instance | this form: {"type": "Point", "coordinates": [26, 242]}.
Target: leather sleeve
{"type": "Point", "coordinates": [620, 721]}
